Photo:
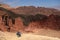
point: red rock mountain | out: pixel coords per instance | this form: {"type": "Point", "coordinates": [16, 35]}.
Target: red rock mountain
{"type": "Point", "coordinates": [5, 6]}
{"type": "Point", "coordinates": [27, 19]}
{"type": "Point", "coordinates": [27, 10]}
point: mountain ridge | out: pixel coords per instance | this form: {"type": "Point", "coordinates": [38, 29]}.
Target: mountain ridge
{"type": "Point", "coordinates": [16, 21]}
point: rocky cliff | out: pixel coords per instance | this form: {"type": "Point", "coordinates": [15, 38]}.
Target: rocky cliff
{"type": "Point", "coordinates": [37, 18]}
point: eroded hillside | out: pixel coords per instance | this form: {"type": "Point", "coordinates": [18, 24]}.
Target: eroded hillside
{"type": "Point", "coordinates": [28, 19]}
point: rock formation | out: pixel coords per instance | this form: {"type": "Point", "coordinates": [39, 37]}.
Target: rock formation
{"type": "Point", "coordinates": [15, 20]}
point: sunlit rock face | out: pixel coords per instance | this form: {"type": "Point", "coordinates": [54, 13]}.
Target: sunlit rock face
{"type": "Point", "coordinates": [52, 22]}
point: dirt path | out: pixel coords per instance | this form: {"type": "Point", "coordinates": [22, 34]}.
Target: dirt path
{"type": "Point", "coordinates": [13, 36]}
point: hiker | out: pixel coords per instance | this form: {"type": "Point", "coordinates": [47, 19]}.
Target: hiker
{"type": "Point", "coordinates": [18, 34]}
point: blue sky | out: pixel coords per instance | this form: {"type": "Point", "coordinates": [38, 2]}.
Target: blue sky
{"type": "Point", "coordinates": [43, 3]}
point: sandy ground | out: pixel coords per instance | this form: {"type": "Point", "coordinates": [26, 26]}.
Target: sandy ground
{"type": "Point", "coordinates": [48, 32]}
{"type": "Point", "coordinates": [25, 36]}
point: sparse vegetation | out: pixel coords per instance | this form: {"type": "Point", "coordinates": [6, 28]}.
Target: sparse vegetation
{"type": "Point", "coordinates": [30, 18]}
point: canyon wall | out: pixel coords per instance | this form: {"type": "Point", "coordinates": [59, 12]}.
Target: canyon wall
{"type": "Point", "coordinates": [11, 21]}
